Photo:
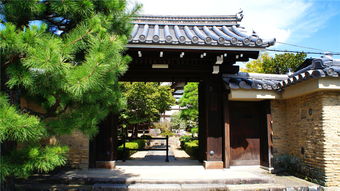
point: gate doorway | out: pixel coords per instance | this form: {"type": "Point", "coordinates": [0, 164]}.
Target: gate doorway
{"type": "Point", "coordinates": [193, 49]}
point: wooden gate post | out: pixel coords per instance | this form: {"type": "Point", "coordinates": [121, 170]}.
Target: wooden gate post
{"type": "Point", "coordinates": [213, 123]}
{"type": "Point", "coordinates": [226, 128]}
{"type": "Point", "coordinates": [104, 146]}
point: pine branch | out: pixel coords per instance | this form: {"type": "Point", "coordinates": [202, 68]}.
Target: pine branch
{"type": "Point", "coordinates": [13, 58]}
{"type": "Point", "coordinates": [81, 37]}
{"type": "Point", "coordinates": [52, 110]}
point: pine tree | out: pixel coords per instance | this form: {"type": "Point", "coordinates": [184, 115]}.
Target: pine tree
{"type": "Point", "coordinates": [69, 64]}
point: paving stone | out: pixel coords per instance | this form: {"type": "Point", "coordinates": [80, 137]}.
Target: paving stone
{"type": "Point", "coordinates": [154, 187]}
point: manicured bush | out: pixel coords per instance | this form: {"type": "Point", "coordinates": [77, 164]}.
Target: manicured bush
{"type": "Point", "coordinates": [167, 133]}
{"type": "Point", "coordinates": [141, 143]}
{"type": "Point", "coordinates": [191, 148]}
{"type": "Point", "coordinates": [194, 131]}
{"type": "Point", "coordinates": [137, 144]}
{"type": "Point", "coordinates": [184, 139]}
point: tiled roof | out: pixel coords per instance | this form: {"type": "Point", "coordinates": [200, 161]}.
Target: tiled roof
{"type": "Point", "coordinates": [311, 68]}
{"type": "Point", "coordinates": [203, 31]}
{"type": "Point", "coordinates": [243, 80]}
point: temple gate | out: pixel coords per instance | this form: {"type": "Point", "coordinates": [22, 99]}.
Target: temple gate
{"type": "Point", "coordinates": [197, 49]}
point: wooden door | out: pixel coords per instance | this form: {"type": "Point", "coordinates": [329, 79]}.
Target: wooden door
{"type": "Point", "coordinates": [245, 133]}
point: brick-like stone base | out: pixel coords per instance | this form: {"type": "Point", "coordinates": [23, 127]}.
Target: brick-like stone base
{"type": "Point", "coordinates": [213, 164]}
{"type": "Point", "coordinates": [106, 164]}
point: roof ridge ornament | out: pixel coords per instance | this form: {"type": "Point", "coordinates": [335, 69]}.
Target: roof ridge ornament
{"type": "Point", "coordinates": [240, 15]}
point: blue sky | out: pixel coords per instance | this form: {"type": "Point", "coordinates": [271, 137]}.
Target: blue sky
{"type": "Point", "coordinates": [308, 23]}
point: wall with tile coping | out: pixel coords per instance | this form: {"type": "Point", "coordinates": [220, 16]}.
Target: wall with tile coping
{"type": "Point", "coordinates": [308, 127]}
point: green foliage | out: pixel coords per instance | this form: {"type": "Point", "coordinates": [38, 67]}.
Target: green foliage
{"type": "Point", "coordinates": [194, 131]}
{"type": "Point", "coordinates": [146, 101]}
{"type": "Point", "coordinates": [27, 130]}
{"type": "Point", "coordinates": [191, 148]}
{"type": "Point", "coordinates": [185, 138]}
{"type": "Point", "coordinates": [137, 144]}
{"type": "Point", "coordinates": [277, 65]}
{"type": "Point", "coordinates": [167, 133]}
{"type": "Point", "coordinates": [16, 126]}
{"type": "Point", "coordinates": [23, 162]}
{"type": "Point", "coordinates": [164, 126]}
{"type": "Point", "coordinates": [69, 66]}
{"type": "Point", "coordinates": [189, 100]}
{"type": "Point", "coordinates": [177, 122]}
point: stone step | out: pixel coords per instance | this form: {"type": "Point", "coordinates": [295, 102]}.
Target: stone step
{"type": "Point", "coordinates": [199, 187]}
{"type": "Point", "coordinates": [85, 180]}
{"type": "Point", "coordinates": [168, 187]}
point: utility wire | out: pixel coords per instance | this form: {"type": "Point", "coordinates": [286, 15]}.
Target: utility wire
{"type": "Point", "coordinates": [305, 47]}
{"type": "Point", "coordinates": [299, 46]}
{"type": "Point", "coordinates": [307, 52]}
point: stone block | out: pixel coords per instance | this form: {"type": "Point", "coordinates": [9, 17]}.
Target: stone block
{"type": "Point", "coordinates": [213, 164]}
{"type": "Point", "coordinates": [106, 164]}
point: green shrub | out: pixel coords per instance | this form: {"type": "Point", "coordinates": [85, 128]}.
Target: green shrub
{"type": "Point", "coordinates": [167, 133]}
{"type": "Point", "coordinates": [191, 148]}
{"type": "Point", "coordinates": [141, 143]}
{"type": "Point", "coordinates": [137, 144]}
{"type": "Point", "coordinates": [194, 131]}
{"type": "Point", "coordinates": [164, 126]}
{"type": "Point", "coordinates": [184, 139]}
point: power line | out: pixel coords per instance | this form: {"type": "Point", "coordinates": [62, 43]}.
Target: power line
{"type": "Point", "coordinates": [299, 46]}
{"type": "Point", "coordinates": [305, 47]}
{"type": "Point", "coordinates": [307, 52]}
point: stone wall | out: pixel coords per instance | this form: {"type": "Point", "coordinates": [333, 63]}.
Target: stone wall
{"type": "Point", "coordinates": [78, 143]}
{"type": "Point", "coordinates": [307, 128]}
{"type": "Point", "coordinates": [331, 125]}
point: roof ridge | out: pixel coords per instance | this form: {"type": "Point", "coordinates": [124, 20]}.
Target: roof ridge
{"type": "Point", "coordinates": [190, 18]}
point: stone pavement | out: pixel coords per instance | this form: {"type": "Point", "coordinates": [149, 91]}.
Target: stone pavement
{"type": "Point", "coordinates": [150, 172]}
{"type": "Point", "coordinates": [177, 175]}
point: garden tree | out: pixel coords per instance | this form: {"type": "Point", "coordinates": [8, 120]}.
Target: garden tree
{"type": "Point", "coordinates": [68, 65]}
{"type": "Point", "coordinates": [279, 64]}
{"type": "Point", "coordinates": [177, 122]}
{"type": "Point", "coordinates": [145, 102]}
{"type": "Point", "coordinates": [189, 101]}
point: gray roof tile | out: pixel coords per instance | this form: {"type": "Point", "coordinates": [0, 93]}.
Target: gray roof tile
{"type": "Point", "coordinates": [205, 31]}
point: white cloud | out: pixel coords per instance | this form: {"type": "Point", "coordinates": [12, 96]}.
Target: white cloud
{"type": "Point", "coordinates": [282, 19]}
